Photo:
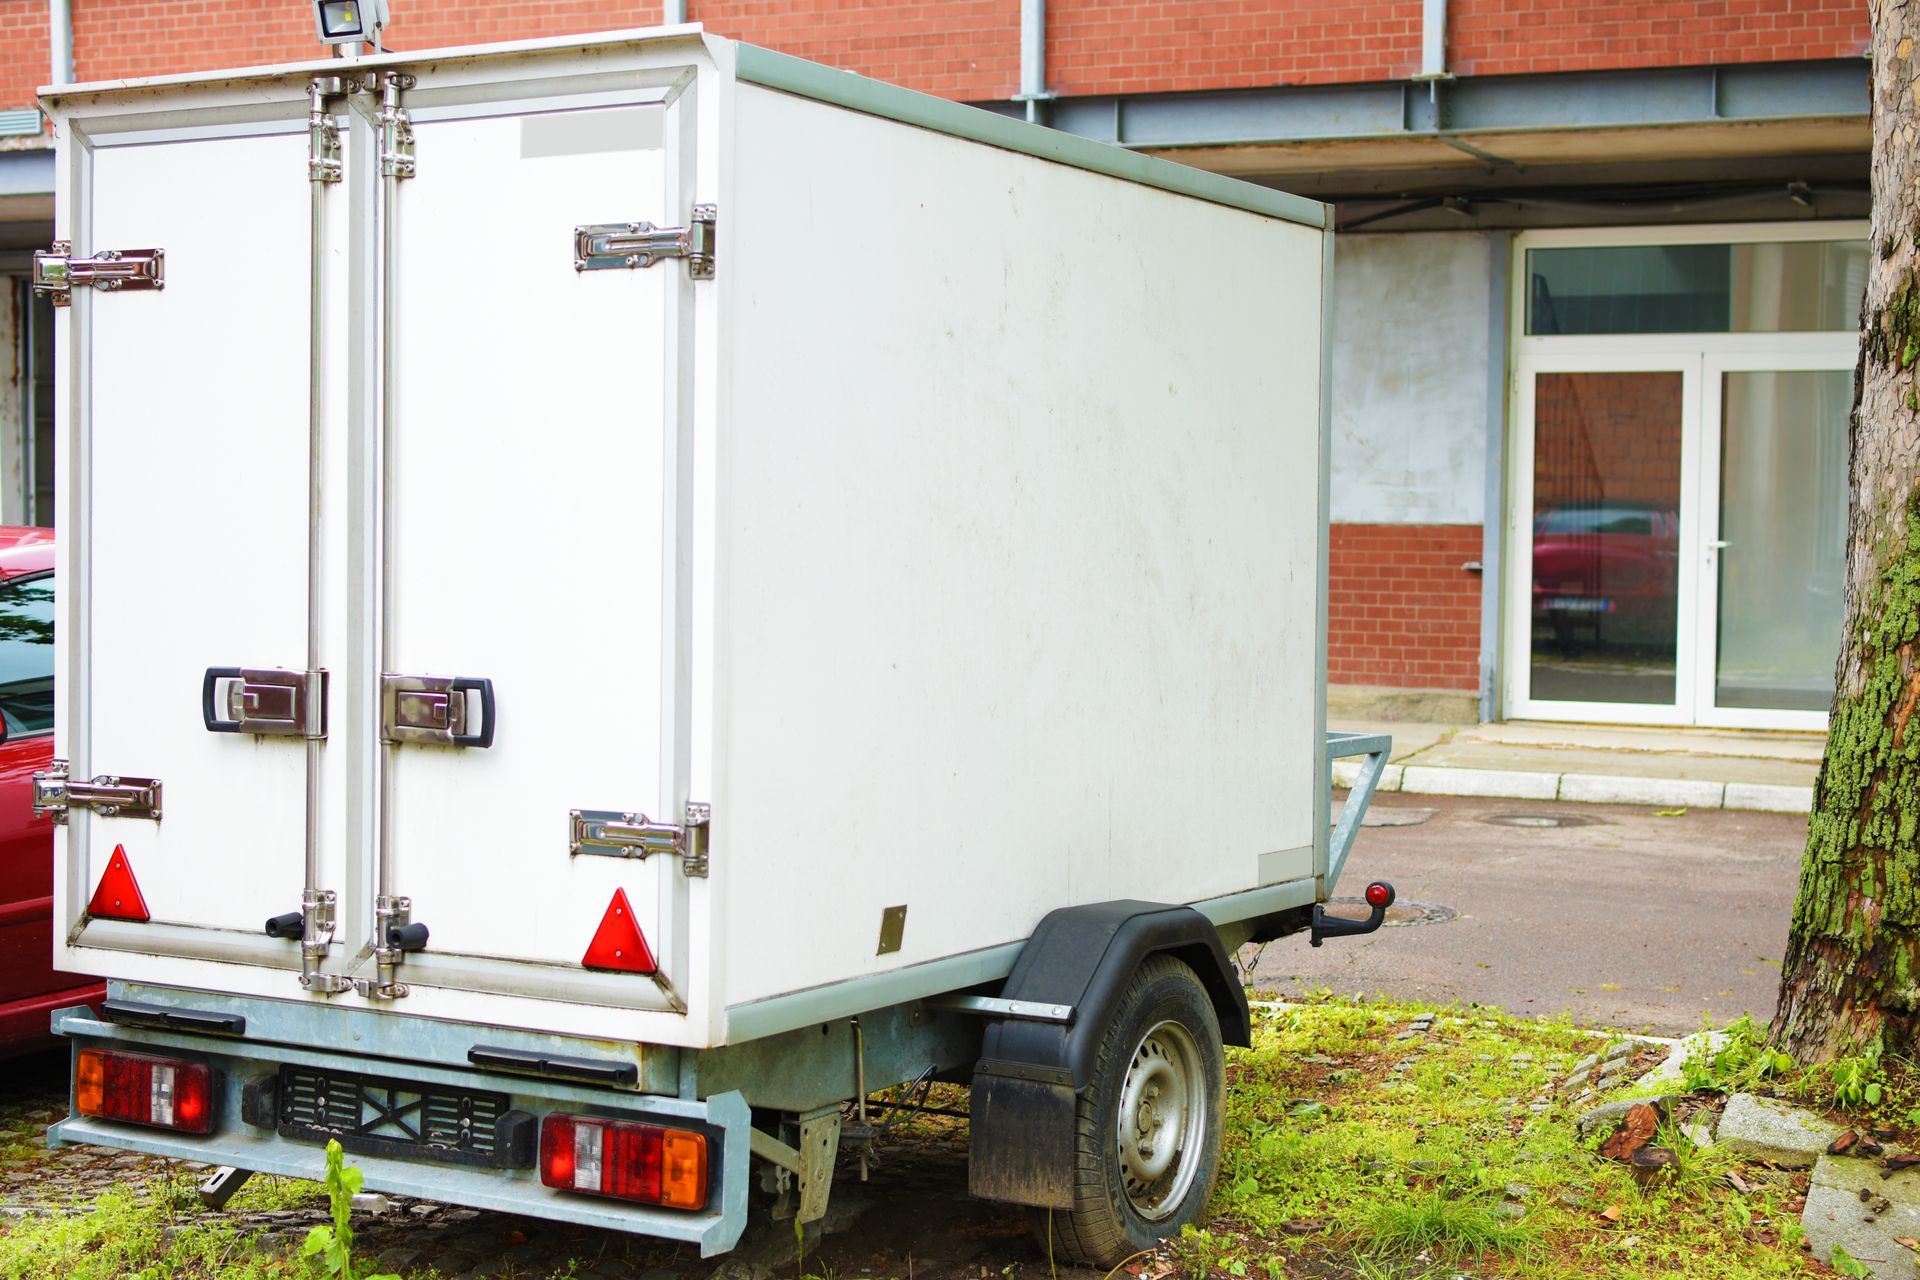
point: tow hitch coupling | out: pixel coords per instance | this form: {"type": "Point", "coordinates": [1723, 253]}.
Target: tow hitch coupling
{"type": "Point", "coordinates": [1379, 897]}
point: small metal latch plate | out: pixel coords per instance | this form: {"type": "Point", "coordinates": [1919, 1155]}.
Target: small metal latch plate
{"type": "Point", "coordinates": [109, 795]}
{"type": "Point", "coordinates": [893, 930]}
{"type": "Point", "coordinates": [434, 711]}
{"type": "Point", "coordinates": [270, 702]}
{"type": "Point", "coordinates": [608, 246]}
{"type": "Point", "coordinates": [611, 833]}
{"type": "Point", "coordinates": [56, 270]}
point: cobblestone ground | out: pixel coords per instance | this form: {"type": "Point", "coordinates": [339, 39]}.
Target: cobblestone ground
{"type": "Point", "coordinates": [912, 1218]}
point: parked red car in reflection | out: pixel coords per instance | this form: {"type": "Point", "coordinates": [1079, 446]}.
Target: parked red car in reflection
{"type": "Point", "coordinates": [30, 987]}
{"type": "Point", "coordinates": [1607, 569]}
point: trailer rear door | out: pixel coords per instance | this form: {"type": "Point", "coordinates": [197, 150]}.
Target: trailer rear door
{"type": "Point", "coordinates": [184, 519]}
{"type": "Point", "coordinates": [534, 510]}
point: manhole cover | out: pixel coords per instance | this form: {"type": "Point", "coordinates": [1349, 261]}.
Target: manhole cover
{"type": "Point", "coordinates": [1402, 912]}
{"type": "Point", "coordinates": [1539, 820]}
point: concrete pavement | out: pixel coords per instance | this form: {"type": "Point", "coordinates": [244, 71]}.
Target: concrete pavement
{"type": "Point", "coordinates": [1610, 914]}
{"type": "Point", "coordinates": [1598, 764]}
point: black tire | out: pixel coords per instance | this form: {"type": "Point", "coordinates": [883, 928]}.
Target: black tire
{"type": "Point", "coordinates": [1164, 1016]}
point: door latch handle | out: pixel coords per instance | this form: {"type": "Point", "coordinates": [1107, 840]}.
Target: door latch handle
{"type": "Point", "coordinates": [272, 703]}
{"type": "Point", "coordinates": [436, 710]}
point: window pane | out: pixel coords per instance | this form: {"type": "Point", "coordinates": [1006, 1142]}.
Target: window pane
{"type": "Point", "coordinates": [26, 655]}
{"type": "Point", "coordinates": [1697, 288]}
{"type": "Point", "coordinates": [1783, 519]}
{"type": "Point", "coordinates": [1606, 529]}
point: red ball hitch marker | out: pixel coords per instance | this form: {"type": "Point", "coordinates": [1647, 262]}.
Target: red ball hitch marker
{"type": "Point", "coordinates": [1379, 896]}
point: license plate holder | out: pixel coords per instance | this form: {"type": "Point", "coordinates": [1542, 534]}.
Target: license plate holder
{"type": "Point", "coordinates": [373, 1115]}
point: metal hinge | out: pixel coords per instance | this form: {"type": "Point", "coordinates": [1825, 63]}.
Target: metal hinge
{"type": "Point", "coordinates": [608, 246]}
{"type": "Point", "coordinates": [608, 833]}
{"type": "Point", "coordinates": [396, 127]}
{"type": "Point", "coordinates": [323, 135]}
{"type": "Point", "coordinates": [108, 795]}
{"type": "Point", "coordinates": [56, 270]}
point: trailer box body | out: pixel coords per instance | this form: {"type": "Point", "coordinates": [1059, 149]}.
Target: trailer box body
{"type": "Point", "coordinates": [942, 520]}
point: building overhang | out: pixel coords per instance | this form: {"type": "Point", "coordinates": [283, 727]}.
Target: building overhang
{"type": "Point", "coordinates": [1757, 140]}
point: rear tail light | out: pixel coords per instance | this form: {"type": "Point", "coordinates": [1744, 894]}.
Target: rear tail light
{"type": "Point", "coordinates": [640, 1162]}
{"type": "Point", "coordinates": [165, 1093]}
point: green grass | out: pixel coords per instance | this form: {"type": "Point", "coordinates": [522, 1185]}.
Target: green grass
{"type": "Point", "coordinates": [1446, 1165]}
{"type": "Point", "coordinates": [1425, 1159]}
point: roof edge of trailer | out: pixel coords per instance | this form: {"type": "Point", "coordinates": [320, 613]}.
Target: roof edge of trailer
{"type": "Point", "coordinates": [789, 74]}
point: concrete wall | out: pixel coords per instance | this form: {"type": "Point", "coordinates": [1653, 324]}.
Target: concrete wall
{"type": "Point", "coordinates": [1410, 387]}
{"type": "Point", "coordinates": [1410, 378]}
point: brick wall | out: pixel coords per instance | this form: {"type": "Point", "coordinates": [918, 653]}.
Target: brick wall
{"type": "Point", "coordinates": [969, 49]}
{"type": "Point", "coordinates": [1401, 612]}
{"type": "Point", "coordinates": [23, 50]}
{"type": "Point", "coordinates": [1606, 437]}
{"type": "Point", "coordinates": [966, 49]}
{"type": "Point", "coordinates": [1153, 46]}
{"type": "Point", "coordinates": [113, 38]}
{"type": "Point", "coordinates": [1515, 37]}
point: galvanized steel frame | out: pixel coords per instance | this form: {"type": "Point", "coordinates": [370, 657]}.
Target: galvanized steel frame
{"type": "Point", "coordinates": [1444, 109]}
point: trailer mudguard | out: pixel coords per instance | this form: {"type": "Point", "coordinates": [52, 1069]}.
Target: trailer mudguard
{"type": "Point", "coordinates": [1028, 1081]}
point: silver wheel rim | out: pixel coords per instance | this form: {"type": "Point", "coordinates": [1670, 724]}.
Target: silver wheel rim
{"type": "Point", "coordinates": [1162, 1124]}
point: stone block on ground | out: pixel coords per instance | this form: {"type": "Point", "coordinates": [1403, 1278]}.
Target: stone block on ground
{"type": "Point", "coordinates": [1770, 1130]}
{"type": "Point", "coordinates": [1701, 1044]}
{"type": "Point", "coordinates": [1836, 1214]}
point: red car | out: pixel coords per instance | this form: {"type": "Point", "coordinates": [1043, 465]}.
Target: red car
{"type": "Point", "coordinates": [1608, 568]}
{"type": "Point", "coordinates": [30, 987]}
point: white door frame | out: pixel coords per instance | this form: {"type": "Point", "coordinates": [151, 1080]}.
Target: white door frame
{"type": "Point", "coordinates": [1837, 352]}
{"type": "Point", "coordinates": [1520, 702]}
{"type": "Point", "coordinates": [1700, 358]}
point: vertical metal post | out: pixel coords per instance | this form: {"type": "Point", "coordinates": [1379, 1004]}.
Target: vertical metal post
{"type": "Point", "coordinates": [1493, 571]}
{"type": "Point", "coordinates": [60, 38]}
{"type": "Point", "coordinates": [1033, 56]}
{"type": "Point", "coordinates": [1433, 40]}
{"type": "Point", "coordinates": [323, 170]}
{"type": "Point", "coordinates": [673, 12]}
{"type": "Point", "coordinates": [396, 162]}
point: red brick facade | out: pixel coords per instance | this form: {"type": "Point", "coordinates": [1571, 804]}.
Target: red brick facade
{"type": "Point", "coordinates": [970, 49]}
{"type": "Point", "coordinates": [1519, 37]}
{"type": "Point", "coordinates": [967, 49]}
{"type": "Point", "coordinates": [1401, 611]}
{"type": "Point", "coordinates": [1152, 46]}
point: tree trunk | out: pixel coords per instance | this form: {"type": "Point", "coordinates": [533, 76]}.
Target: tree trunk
{"type": "Point", "coordinates": [1851, 977]}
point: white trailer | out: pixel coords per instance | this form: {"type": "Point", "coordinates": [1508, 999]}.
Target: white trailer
{"type": "Point", "coordinates": [682, 587]}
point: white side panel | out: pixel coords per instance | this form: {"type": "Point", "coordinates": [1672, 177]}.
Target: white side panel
{"type": "Point", "coordinates": [1018, 545]}
{"type": "Point", "coordinates": [196, 516]}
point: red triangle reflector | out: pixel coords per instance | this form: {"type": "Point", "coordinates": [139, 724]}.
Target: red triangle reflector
{"type": "Point", "coordinates": [617, 943]}
{"type": "Point", "coordinates": [118, 897]}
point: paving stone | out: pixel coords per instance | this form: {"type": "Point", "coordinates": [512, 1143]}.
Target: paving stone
{"type": "Point", "coordinates": [1773, 1131]}
{"type": "Point", "coordinates": [1671, 1072]}
{"type": "Point", "coordinates": [1866, 1229]}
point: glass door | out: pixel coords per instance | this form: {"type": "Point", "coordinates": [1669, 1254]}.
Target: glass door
{"type": "Point", "coordinates": [1773, 500]}
{"type": "Point", "coordinates": [1600, 516]}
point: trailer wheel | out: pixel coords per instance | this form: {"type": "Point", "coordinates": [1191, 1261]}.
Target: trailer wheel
{"type": "Point", "coordinates": [1147, 1129]}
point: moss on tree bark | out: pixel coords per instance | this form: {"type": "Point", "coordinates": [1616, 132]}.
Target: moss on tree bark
{"type": "Point", "coordinates": [1851, 977]}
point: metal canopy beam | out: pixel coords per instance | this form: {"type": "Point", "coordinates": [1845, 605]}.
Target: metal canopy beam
{"type": "Point", "coordinates": [1491, 104]}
